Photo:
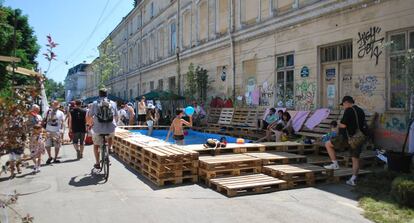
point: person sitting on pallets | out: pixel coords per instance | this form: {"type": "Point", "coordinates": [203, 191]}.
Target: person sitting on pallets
{"type": "Point", "coordinates": [348, 127]}
{"type": "Point", "coordinates": [177, 127]}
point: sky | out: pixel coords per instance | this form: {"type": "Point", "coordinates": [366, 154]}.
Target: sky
{"type": "Point", "coordinates": [78, 26]}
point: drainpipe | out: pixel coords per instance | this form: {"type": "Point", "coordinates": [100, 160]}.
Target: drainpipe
{"type": "Point", "coordinates": [178, 47]}
{"type": "Point", "coordinates": [232, 52]}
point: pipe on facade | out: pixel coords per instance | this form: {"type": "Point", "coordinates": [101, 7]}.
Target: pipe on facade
{"type": "Point", "coordinates": [232, 53]}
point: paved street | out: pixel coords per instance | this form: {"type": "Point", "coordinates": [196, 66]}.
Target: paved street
{"type": "Point", "coordinates": [67, 192]}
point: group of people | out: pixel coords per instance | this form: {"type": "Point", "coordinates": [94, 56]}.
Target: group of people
{"type": "Point", "coordinates": [100, 117]}
{"type": "Point", "coordinates": [278, 125]}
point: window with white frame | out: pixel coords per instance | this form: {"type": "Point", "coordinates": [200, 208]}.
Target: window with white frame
{"type": "Point", "coordinates": [160, 85]}
{"type": "Point", "coordinates": [202, 21]}
{"type": "Point", "coordinates": [401, 69]}
{"type": "Point", "coordinates": [161, 42]}
{"type": "Point", "coordinates": [285, 69]}
{"type": "Point", "coordinates": [173, 37]}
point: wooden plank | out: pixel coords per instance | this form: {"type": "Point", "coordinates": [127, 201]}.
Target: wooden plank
{"type": "Point", "coordinates": [244, 185]}
{"type": "Point", "coordinates": [269, 158]}
{"type": "Point", "coordinates": [10, 59]}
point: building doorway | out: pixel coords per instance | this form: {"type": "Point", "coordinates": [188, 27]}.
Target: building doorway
{"type": "Point", "coordinates": [336, 74]}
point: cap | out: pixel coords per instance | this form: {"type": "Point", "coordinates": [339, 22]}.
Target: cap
{"type": "Point", "coordinates": [103, 89]}
{"type": "Point", "coordinates": [347, 99]}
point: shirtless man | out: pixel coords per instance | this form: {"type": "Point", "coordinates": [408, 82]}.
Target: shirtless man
{"type": "Point", "coordinates": [177, 127]}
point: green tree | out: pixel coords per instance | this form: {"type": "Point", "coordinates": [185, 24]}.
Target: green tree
{"type": "Point", "coordinates": [196, 83]}
{"type": "Point", "coordinates": [191, 83]}
{"type": "Point", "coordinates": [54, 89]}
{"type": "Point", "coordinates": [107, 64]}
{"type": "Point", "coordinates": [26, 45]}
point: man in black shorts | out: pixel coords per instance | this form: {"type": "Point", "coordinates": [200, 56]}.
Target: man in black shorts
{"type": "Point", "coordinates": [347, 126]}
{"type": "Point", "coordinates": [77, 127]}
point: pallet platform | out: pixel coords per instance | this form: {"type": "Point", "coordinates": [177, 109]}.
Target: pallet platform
{"type": "Point", "coordinates": [270, 158]}
{"type": "Point", "coordinates": [248, 184]}
{"type": "Point", "coordinates": [367, 158]}
{"type": "Point", "coordinates": [345, 173]}
{"type": "Point", "coordinates": [233, 161]}
{"type": "Point", "coordinates": [298, 174]}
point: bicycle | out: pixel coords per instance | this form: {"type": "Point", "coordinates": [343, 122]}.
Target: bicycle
{"type": "Point", "coordinates": [104, 157]}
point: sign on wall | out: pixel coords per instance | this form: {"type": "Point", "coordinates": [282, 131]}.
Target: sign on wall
{"type": "Point", "coordinates": [304, 72]}
{"type": "Point", "coordinates": [330, 74]}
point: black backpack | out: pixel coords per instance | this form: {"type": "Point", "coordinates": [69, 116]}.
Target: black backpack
{"type": "Point", "coordinates": [105, 113]}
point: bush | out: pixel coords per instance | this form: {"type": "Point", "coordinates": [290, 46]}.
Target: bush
{"type": "Point", "coordinates": [402, 190]}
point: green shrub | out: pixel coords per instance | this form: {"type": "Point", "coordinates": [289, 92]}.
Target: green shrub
{"type": "Point", "coordinates": [402, 190]}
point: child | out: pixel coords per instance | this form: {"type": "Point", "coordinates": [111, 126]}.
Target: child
{"type": "Point", "coordinates": [332, 134]}
{"type": "Point", "coordinates": [150, 117]}
{"type": "Point", "coordinates": [177, 127]}
{"type": "Point", "coordinates": [37, 147]}
{"type": "Point", "coordinates": [279, 133]}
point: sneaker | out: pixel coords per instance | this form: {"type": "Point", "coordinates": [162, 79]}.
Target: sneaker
{"type": "Point", "coordinates": [351, 182]}
{"type": "Point", "coordinates": [48, 161]}
{"type": "Point", "coordinates": [38, 170]}
{"type": "Point", "coordinates": [331, 166]}
{"type": "Point", "coordinates": [97, 166]}
{"type": "Point", "coordinates": [56, 161]}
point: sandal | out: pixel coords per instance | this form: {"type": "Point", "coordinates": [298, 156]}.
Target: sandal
{"type": "Point", "coordinates": [97, 166]}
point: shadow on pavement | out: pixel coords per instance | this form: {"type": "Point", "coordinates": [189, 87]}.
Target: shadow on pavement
{"type": "Point", "coordinates": [86, 180]}
{"type": "Point", "coordinates": [145, 180]}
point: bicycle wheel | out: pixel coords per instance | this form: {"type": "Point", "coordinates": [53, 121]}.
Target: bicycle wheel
{"type": "Point", "coordinates": [105, 165]}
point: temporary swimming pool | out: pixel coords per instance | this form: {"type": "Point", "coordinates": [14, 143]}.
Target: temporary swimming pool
{"type": "Point", "coordinates": [193, 137]}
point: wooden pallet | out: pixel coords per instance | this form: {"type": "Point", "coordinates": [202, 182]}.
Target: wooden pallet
{"type": "Point", "coordinates": [169, 154]}
{"type": "Point", "coordinates": [249, 184]}
{"type": "Point", "coordinates": [345, 173]}
{"type": "Point", "coordinates": [179, 172]}
{"type": "Point", "coordinates": [367, 158]}
{"type": "Point", "coordinates": [291, 147]}
{"type": "Point", "coordinates": [321, 160]}
{"type": "Point", "coordinates": [270, 158]}
{"type": "Point", "coordinates": [223, 162]}
{"type": "Point", "coordinates": [168, 181]}
{"type": "Point", "coordinates": [298, 174]}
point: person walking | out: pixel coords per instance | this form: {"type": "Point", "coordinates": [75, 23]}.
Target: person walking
{"type": "Point", "coordinates": [130, 114]}
{"type": "Point", "coordinates": [54, 128]}
{"type": "Point", "coordinates": [105, 117]}
{"type": "Point", "coordinates": [77, 127]}
{"type": "Point", "coordinates": [353, 118]}
{"type": "Point", "coordinates": [34, 117]}
{"type": "Point", "coordinates": [142, 111]}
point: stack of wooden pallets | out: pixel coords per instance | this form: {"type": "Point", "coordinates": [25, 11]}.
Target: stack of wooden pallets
{"type": "Point", "coordinates": [275, 158]}
{"type": "Point", "coordinates": [169, 165]}
{"type": "Point", "coordinates": [248, 184]}
{"type": "Point", "coordinates": [227, 165]}
{"type": "Point", "coordinates": [299, 174]}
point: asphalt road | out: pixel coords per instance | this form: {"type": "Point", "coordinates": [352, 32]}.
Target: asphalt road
{"type": "Point", "coordinates": [67, 192]}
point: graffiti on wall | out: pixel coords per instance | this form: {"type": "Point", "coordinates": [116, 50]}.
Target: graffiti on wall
{"type": "Point", "coordinates": [368, 84]}
{"type": "Point", "coordinates": [369, 43]}
{"type": "Point", "coordinates": [305, 95]}
{"type": "Point", "coordinates": [266, 94]}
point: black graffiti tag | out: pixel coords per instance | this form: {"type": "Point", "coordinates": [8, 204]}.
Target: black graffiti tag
{"type": "Point", "coordinates": [369, 44]}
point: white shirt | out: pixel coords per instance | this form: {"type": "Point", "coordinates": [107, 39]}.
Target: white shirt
{"type": "Point", "coordinates": [54, 120]}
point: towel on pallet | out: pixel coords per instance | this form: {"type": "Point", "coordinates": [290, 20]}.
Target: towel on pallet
{"type": "Point", "coordinates": [317, 117]}
{"type": "Point", "coordinates": [299, 119]}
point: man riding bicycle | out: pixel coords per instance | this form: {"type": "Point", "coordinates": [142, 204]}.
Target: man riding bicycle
{"type": "Point", "coordinates": [105, 116]}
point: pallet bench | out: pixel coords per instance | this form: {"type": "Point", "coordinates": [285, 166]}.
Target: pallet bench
{"type": "Point", "coordinates": [298, 174]}
{"type": "Point", "coordinates": [248, 184]}
{"type": "Point", "coordinates": [227, 165]}
{"type": "Point", "coordinates": [272, 158]}
{"type": "Point", "coordinates": [345, 173]}
{"type": "Point", "coordinates": [367, 158]}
